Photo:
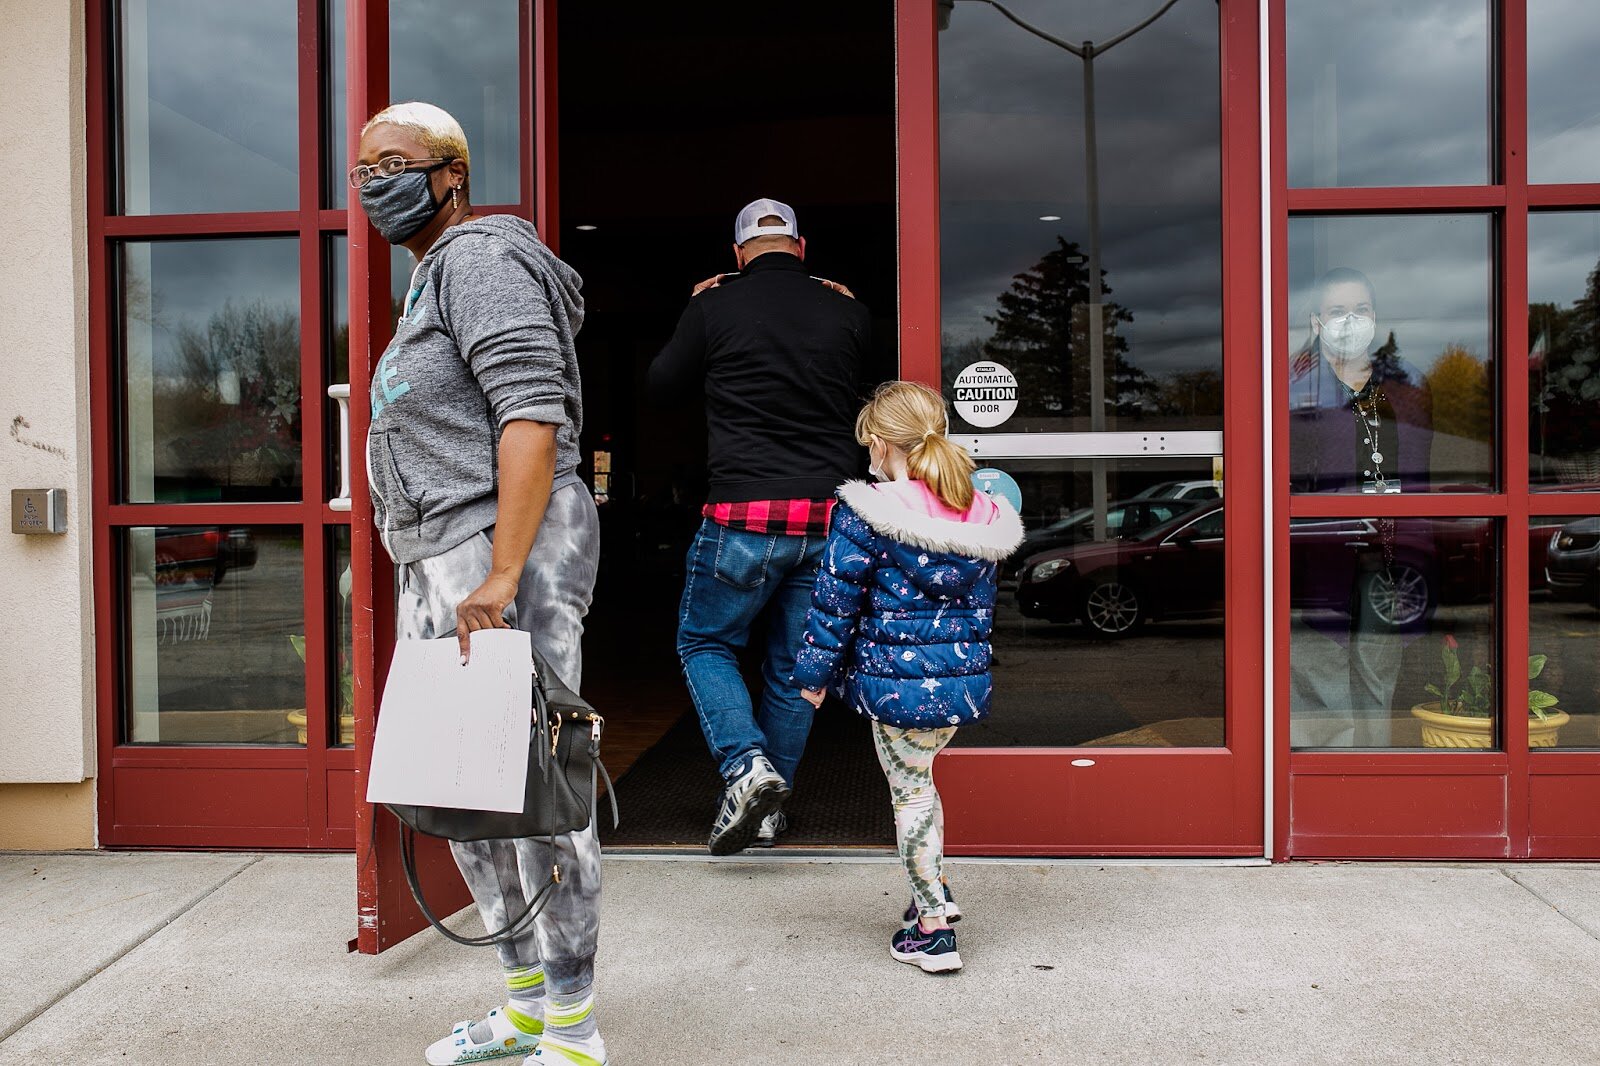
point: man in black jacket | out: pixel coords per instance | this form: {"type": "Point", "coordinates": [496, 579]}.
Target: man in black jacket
{"type": "Point", "coordinates": [779, 356]}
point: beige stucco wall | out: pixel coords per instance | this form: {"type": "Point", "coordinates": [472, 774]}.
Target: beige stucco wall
{"type": "Point", "coordinates": [46, 669]}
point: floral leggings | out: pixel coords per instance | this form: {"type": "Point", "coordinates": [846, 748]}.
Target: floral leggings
{"type": "Point", "coordinates": [906, 756]}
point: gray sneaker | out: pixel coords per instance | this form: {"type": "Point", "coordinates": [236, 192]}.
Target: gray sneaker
{"type": "Point", "coordinates": [754, 794]}
{"type": "Point", "coordinates": [771, 826]}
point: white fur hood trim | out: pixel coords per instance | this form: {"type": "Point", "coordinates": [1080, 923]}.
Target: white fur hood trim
{"type": "Point", "coordinates": [892, 518]}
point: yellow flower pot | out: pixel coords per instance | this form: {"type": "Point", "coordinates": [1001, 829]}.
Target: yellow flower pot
{"type": "Point", "coordinates": [347, 726]}
{"type": "Point", "coordinates": [1441, 730]}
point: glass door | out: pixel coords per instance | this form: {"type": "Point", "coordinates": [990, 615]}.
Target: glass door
{"type": "Point", "coordinates": [1091, 312]}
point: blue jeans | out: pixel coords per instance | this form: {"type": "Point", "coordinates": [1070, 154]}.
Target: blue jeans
{"type": "Point", "coordinates": [733, 576]}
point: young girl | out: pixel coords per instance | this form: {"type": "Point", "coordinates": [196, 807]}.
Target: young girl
{"type": "Point", "coordinates": [902, 612]}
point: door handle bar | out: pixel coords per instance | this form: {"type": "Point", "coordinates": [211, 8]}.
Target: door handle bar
{"type": "Point", "coordinates": [341, 393]}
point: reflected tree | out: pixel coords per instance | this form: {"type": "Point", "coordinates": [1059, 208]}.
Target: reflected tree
{"type": "Point", "coordinates": [1463, 401]}
{"type": "Point", "coordinates": [1564, 361]}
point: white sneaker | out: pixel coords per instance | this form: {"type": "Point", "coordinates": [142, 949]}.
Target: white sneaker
{"type": "Point", "coordinates": [767, 833]}
{"type": "Point", "coordinates": [754, 794]}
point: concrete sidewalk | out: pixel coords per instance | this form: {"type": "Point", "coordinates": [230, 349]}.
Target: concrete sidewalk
{"type": "Point", "coordinates": [178, 959]}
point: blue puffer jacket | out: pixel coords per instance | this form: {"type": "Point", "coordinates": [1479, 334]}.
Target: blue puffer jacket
{"type": "Point", "coordinates": [904, 604]}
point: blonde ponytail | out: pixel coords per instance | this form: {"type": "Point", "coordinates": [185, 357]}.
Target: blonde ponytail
{"type": "Point", "coordinates": [912, 417]}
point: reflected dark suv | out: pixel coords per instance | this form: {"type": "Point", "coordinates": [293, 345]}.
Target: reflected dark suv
{"type": "Point", "coordinates": [1572, 562]}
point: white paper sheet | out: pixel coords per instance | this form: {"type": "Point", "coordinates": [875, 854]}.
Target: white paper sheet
{"type": "Point", "coordinates": [455, 736]}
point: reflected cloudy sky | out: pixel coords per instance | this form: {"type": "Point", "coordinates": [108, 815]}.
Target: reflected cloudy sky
{"type": "Point", "coordinates": [1563, 91]}
{"type": "Point", "coordinates": [1563, 250]}
{"type": "Point", "coordinates": [1012, 149]}
{"type": "Point", "coordinates": [209, 119]}
{"type": "Point", "coordinates": [1381, 93]}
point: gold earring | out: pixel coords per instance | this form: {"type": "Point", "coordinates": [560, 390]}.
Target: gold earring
{"type": "Point", "coordinates": [455, 198]}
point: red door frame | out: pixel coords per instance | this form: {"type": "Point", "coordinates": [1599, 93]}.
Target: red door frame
{"type": "Point", "coordinates": [1033, 801]}
{"type": "Point", "coordinates": [386, 912]}
{"type": "Point", "coordinates": [197, 796]}
{"type": "Point", "coordinates": [1499, 805]}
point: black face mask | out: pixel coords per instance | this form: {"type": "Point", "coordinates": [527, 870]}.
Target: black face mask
{"type": "Point", "coordinates": [400, 206]}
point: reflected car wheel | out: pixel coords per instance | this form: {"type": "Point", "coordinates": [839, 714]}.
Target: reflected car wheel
{"type": "Point", "coordinates": [1112, 608]}
{"type": "Point", "coordinates": [1397, 597]}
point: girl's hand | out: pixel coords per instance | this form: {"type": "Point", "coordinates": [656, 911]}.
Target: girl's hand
{"type": "Point", "coordinates": [484, 608]}
{"type": "Point", "coordinates": [813, 697]}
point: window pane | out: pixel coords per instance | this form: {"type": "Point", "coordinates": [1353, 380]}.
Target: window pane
{"type": "Point", "coordinates": [336, 156]}
{"type": "Point", "coordinates": [214, 626]}
{"type": "Point", "coordinates": [1381, 93]}
{"type": "Point", "coordinates": [1391, 381]}
{"type": "Point", "coordinates": [1379, 608]}
{"type": "Point", "coordinates": [1564, 350]}
{"type": "Point", "coordinates": [464, 58]}
{"type": "Point", "coordinates": [1060, 680]}
{"type": "Point", "coordinates": [1564, 561]}
{"type": "Point", "coordinates": [336, 345]}
{"type": "Point", "coordinates": [208, 106]}
{"type": "Point", "coordinates": [1017, 229]}
{"type": "Point", "coordinates": [343, 701]}
{"type": "Point", "coordinates": [211, 365]}
{"type": "Point", "coordinates": [1563, 84]}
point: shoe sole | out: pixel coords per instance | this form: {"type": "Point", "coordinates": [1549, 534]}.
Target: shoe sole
{"type": "Point", "coordinates": [949, 962]}
{"type": "Point", "coordinates": [741, 832]}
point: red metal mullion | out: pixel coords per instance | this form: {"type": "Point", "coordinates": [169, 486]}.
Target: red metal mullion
{"type": "Point", "coordinates": [1563, 195]}
{"type": "Point", "coordinates": [1244, 635]}
{"type": "Point", "coordinates": [313, 414]}
{"type": "Point", "coordinates": [332, 220]}
{"type": "Point", "coordinates": [107, 657]}
{"type": "Point", "coordinates": [1563, 503]}
{"type": "Point", "coordinates": [1421, 505]}
{"type": "Point", "coordinates": [221, 224]}
{"type": "Point", "coordinates": [1514, 417]}
{"type": "Point", "coordinates": [1279, 489]}
{"type": "Point", "coordinates": [541, 120]}
{"type": "Point", "coordinates": [1431, 198]}
{"type": "Point", "coordinates": [917, 179]}
{"type": "Point", "coordinates": [367, 86]}
{"type": "Point", "coordinates": [203, 514]}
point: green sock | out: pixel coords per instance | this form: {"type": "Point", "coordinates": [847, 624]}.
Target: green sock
{"type": "Point", "coordinates": [525, 998]}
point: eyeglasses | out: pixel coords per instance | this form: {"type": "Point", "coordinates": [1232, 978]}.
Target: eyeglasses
{"type": "Point", "coordinates": [392, 166]}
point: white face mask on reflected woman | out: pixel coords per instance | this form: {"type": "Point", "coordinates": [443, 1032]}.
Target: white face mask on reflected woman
{"type": "Point", "coordinates": [1348, 335]}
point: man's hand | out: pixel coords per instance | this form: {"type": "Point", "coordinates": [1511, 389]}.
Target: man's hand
{"type": "Point", "coordinates": [484, 608]}
{"type": "Point", "coordinates": [813, 697]}
{"type": "Point", "coordinates": [835, 286]}
{"type": "Point", "coordinates": [710, 283]}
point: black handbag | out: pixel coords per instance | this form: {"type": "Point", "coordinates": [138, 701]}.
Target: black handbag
{"type": "Point", "coordinates": [564, 774]}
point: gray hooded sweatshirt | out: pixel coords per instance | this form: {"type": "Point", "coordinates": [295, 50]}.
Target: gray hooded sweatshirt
{"type": "Point", "coordinates": [487, 339]}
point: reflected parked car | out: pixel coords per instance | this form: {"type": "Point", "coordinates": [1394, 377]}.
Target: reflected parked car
{"type": "Point", "coordinates": [1177, 570]}
{"type": "Point", "coordinates": [1572, 562]}
{"type": "Point", "coordinates": [1182, 490]}
{"type": "Point", "coordinates": [1125, 518]}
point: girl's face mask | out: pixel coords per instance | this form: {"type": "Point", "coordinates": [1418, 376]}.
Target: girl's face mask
{"type": "Point", "coordinates": [876, 453]}
{"type": "Point", "coordinates": [400, 206]}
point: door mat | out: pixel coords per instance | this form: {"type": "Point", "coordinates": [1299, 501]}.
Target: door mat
{"type": "Point", "coordinates": [670, 795]}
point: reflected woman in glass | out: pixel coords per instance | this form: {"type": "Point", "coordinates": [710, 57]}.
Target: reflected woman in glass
{"type": "Point", "coordinates": [1360, 417]}
{"type": "Point", "coordinates": [472, 462]}
{"type": "Point", "coordinates": [1360, 420]}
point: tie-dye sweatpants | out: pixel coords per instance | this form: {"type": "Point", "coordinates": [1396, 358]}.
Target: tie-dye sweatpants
{"type": "Point", "coordinates": [906, 756]}
{"type": "Point", "coordinates": [552, 599]}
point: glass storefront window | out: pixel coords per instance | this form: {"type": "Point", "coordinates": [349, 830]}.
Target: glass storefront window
{"type": "Point", "coordinates": [1388, 94]}
{"type": "Point", "coordinates": [1564, 562]}
{"type": "Point", "coordinates": [1392, 354]}
{"type": "Point", "coordinates": [1563, 83]}
{"type": "Point", "coordinates": [213, 620]}
{"type": "Point", "coordinates": [210, 334]}
{"type": "Point", "coordinates": [206, 106]}
{"type": "Point", "coordinates": [463, 57]}
{"type": "Point", "coordinates": [1078, 619]}
{"type": "Point", "coordinates": [342, 701]}
{"type": "Point", "coordinates": [1379, 609]}
{"type": "Point", "coordinates": [1564, 350]}
{"type": "Point", "coordinates": [336, 161]}
{"type": "Point", "coordinates": [1019, 231]}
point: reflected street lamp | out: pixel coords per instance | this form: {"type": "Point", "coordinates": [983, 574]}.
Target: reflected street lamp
{"type": "Point", "coordinates": [1087, 51]}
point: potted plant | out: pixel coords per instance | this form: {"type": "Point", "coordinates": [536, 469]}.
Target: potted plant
{"type": "Point", "coordinates": [347, 697]}
{"type": "Point", "coordinates": [1464, 717]}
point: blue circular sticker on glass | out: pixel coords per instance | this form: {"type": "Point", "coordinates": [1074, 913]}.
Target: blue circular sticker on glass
{"type": "Point", "coordinates": [992, 482]}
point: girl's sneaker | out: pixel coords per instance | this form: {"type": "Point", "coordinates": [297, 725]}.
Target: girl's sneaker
{"type": "Point", "coordinates": [952, 911]}
{"type": "Point", "coordinates": [935, 952]}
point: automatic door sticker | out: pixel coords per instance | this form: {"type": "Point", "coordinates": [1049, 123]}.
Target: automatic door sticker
{"type": "Point", "coordinates": [992, 482]}
{"type": "Point", "coordinates": [985, 394]}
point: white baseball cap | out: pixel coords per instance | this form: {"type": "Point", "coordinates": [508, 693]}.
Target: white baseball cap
{"type": "Point", "coordinates": [748, 224]}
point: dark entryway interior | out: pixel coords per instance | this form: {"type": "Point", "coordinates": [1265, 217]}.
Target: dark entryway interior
{"type": "Point", "coordinates": [672, 117]}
